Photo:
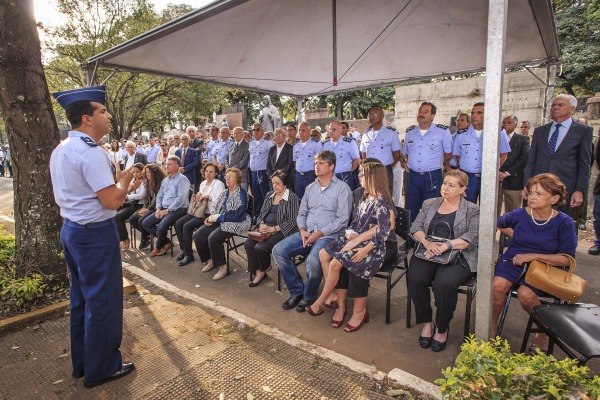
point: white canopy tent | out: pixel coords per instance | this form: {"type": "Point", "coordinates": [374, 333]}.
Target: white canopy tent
{"type": "Point", "coordinates": [303, 48]}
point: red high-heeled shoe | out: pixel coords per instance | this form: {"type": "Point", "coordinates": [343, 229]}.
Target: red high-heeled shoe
{"type": "Point", "coordinates": [312, 312]}
{"type": "Point", "coordinates": [365, 320]}
{"type": "Point", "coordinates": [336, 324]}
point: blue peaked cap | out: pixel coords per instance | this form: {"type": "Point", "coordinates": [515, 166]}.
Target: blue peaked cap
{"type": "Point", "coordinates": [90, 93]}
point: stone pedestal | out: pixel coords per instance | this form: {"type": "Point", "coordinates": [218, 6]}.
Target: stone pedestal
{"type": "Point", "coordinates": [593, 107]}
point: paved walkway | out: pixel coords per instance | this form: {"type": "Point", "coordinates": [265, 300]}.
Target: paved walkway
{"type": "Point", "coordinates": [184, 350]}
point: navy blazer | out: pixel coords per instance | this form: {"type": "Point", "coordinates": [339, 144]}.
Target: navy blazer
{"type": "Point", "coordinates": [190, 164]}
{"type": "Point", "coordinates": [571, 161]}
{"type": "Point", "coordinates": [515, 162]}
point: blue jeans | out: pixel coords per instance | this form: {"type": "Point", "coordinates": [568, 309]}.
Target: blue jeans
{"type": "Point", "coordinates": [286, 250]}
{"type": "Point", "coordinates": [596, 214]}
{"type": "Point", "coordinates": [160, 227]}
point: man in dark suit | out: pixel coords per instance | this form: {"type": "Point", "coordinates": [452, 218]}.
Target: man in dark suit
{"type": "Point", "coordinates": [239, 155]}
{"type": "Point", "coordinates": [133, 156]}
{"type": "Point", "coordinates": [563, 148]}
{"type": "Point", "coordinates": [189, 159]}
{"type": "Point", "coordinates": [511, 172]}
{"type": "Point", "coordinates": [281, 156]}
{"type": "Point", "coordinates": [595, 249]}
{"type": "Point", "coordinates": [196, 142]}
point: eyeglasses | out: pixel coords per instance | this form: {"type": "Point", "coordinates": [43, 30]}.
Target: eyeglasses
{"type": "Point", "coordinates": [256, 130]}
{"type": "Point", "coordinates": [315, 135]}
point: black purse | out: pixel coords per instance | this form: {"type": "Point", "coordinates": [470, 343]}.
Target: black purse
{"type": "Point", "coordinates": [448, 257]}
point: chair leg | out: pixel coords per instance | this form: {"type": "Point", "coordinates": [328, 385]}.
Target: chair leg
{"type": "Point", "coordinates": [388, 302]}
{"type": "Point", "coordinates": [408, 303]}
{"type": "Point", "coordinates": [278, 279]}
{"type": "Point", "coordinates": [470, 296]}
{"type": "Point", "coordinates": [172, 244]}
{"type": "Point", "coordinates": [527, 332]}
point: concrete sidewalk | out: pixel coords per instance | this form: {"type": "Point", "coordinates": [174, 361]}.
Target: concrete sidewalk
{"type": "Point", "coordinates": [183, 349]}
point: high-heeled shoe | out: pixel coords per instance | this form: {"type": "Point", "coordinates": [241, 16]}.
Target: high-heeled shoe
{"type": "Point", "coordinates": [312, 312]}
{"type": "Point", "coordinates": [425, 341]}
{"type": "Point", "coordinates": [349, 328]}
{"type": "Point", "coordinates": [439, 346]}
{"type": "Point", "coordinates": [331, 306]}
{"type": "Point", "coordinates": [336, 324]}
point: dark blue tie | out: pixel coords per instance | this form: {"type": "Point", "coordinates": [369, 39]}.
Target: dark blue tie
{"type": "Point", "coordinates": [553, 140]}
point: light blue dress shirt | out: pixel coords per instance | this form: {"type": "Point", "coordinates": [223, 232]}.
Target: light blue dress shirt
{"type": "Point", "coordinates": [380, 145]}
{"type": "Point", "coordinates": [208, 152]}
{"type": "Point", "coordinates": [152, 153]}
{"type": "Point", "coordinates": [259, 154]}
{"type": "Point", "coordinates": [470, 149]}
{"type": "Point", "coordinates": [426, 152]}
{"type": "Point", "coordinates": [78, 171]}
{"type": "Point", "coordinates": [173, 193]}
{"type": "Point", "coordinates": [304, 156]}
{"type": "Point", "coordinates": [346, 150]}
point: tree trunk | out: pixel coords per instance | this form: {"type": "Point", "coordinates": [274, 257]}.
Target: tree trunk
{"type": "Point", "coordinates": [32, 135]}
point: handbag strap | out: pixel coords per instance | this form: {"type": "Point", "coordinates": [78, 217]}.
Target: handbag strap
{"type": "Point", "coordinates": [443, 223]}
{"type": "Point", "coordinates": [572, 266]}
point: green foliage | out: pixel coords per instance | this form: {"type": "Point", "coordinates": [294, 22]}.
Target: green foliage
{"type": "Point", "coordinates": [8, 249]}
{"type": "Point", "coordinates": [361, 101]}
{"type": "Point", "coordinates": [577, 24]}
{"type": "Point", "coordinates": [489, 370]}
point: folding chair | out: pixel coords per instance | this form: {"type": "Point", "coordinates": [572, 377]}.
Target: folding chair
{"type": "Point", "coordinates": [400, 263]}
{"type": "Point", "coordinates": [573, 327]}
{"type": "Point", "coordinates": [230, 242]}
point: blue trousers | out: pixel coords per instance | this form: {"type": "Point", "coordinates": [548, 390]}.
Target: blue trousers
{"type": "Point", "coordinates": [260, 187]}
{"type": "Point", "coordinates": [422, 186]}
{"type": "Point", "coordinates": [346, 177]}
{"type": "Point", "coordinates": [160, 227]}
{"type": "Point", "coordinates": [303, 179]}
{"type": "Point", "coordinates": [94, 260]}
{"type": "Point", "coordinates": [286, 250]}
{"type": "Point", "coordinates": [474, 187]}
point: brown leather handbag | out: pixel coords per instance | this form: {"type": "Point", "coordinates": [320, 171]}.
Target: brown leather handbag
{"type": "Point", "coordinates": [259, 236]}
{"type": "Point", "coordinates": [560, 283]}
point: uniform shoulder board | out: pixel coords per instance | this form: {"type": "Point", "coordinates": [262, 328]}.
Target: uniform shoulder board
{"type": "Point", "coordinates": [391, 127]}
{"type": "Point", "coordinates": [462, 130]}
{"type": "Point", "coordinates": [347, 139]}
{"type": "Point", "coordinates": [89, 141]}
{"type": "Point", "coordinates": [441, 126]}
{"type": "Point", "coordinates": [315, 140]}
{"type": "Point", "coordinates": [410, 128]}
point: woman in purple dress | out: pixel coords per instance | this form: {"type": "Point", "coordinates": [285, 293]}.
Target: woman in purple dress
{"type": "Point", "coordinates": [362, 250]}
{"type": "Point", "coordinates": [539, 232]}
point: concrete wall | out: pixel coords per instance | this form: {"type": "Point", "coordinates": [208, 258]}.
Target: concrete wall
{"type": "Point", "coordinates": [523, 97]}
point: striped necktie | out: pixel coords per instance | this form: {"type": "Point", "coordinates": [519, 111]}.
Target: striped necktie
{"type": "Point", "coordinates": [554, 139]}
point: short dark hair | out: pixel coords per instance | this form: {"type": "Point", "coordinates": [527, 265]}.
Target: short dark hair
{"type": "Point", "coordinates": [479, 104]}
{"type": "Point", "coordinates": [281, 174]}
{"type": "Point", "coordinates": [293, 126]}
{"type": "Point", "coordinates": [466, 115]}
{"type": "Point", "coordinates": [345, 124]}
{"type": "Point", "coordinates": [430, 104]}
{"type": "Point", "coordinates": [77, 110]}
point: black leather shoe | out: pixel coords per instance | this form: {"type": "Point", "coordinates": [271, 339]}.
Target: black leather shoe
{"type": "Point", "coordinates": [77, 374]}
{"type": "Point", "coordinates": [180, 257]}
{"type": "Point", "coordinates": [301, 307]}
{"type": "Point", "coordinates": [439, 346]}
{"type": "Point", "coordinates": [125, 370]}
{"type": "Point", "coordinates": [425, 342]}
{"type": "Point", "coordinates": [292, 302]}
{"type": "Point", "coordinates": [145, 244]}
{"type": "Point", "coordinates": [186, 260]}
{"type": "Point", "coordinates": [594, 250]}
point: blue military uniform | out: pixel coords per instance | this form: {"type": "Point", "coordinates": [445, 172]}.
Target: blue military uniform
{"type": "Point", "coordinates": [425, 163]}
{"type": "Point", "coordinates": [304, 157]}
{"type": "Point", "coordinates": [259, 181]}
{"type": "Point", "coordinates": [79, 169]}
{"type": "Point", "coordinates": [381, 145]}
{"type": "Point", "coordinates": [208, 150]}
{"type": "Point", "coordinates": [346, 150]}
{"type": "Point", "coordinates": [469, 147]}
{"type": "Point", "coordinates": [221, 152]}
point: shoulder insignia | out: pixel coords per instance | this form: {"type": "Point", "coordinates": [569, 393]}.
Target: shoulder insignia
{"type": "Point", "coordinates": [441, 126]}
{"type": "Point", "coordinates": [347, 139]}
{"type": "Point", "coordinates": [89, 141]}
{"type": "Point", "coordinates": [410, 128]}
{"type": "Point", "coordinates": [462, 130]}
{"type": "Point", "coordinates": [316, 141]}
{"type": "Point", "coordinates": [391, 127]}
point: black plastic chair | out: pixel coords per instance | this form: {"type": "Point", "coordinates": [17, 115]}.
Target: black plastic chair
{"type": "Point", "coordinates": [400, 263]}
{"type": "Point", "coordinates": [573, 327]}
{"type": "Point", "coordinates": [230, 242]}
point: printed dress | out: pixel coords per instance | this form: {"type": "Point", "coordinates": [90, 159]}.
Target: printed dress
{"type": "Point", "coordinates": [371, 212]}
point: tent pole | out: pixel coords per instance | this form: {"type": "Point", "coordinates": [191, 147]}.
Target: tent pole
{"type": "Point", "coordinates": [334, 25]}
{"type": "Point", "coordinates": [496, 38]}
{"type": "Point", "coordinates": [299, 106]}
{"type": "Point", "coordinates": [549, 93]}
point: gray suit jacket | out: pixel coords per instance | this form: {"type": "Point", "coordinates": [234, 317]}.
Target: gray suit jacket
{"type": "Point", "coordinates": [570, 162]}
{"type": "Point", "coordinates": [466, 225]}
{"type": "Point", "coordinates": [239, 158]}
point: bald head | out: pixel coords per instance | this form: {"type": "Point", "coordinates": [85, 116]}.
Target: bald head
{"type": "Point", "coordinates": [335, 131]}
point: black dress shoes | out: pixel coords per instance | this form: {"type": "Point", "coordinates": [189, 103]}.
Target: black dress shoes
{"type": "Point", "coordinates": [301, 307]}
{"type": "Point", "coordinates": [292, 302]}
{"type": "Point", "coordinates": [77, 374]}
{"type": "Point", "coordinates": [186, 260]}
{"type": "Point", "coordinates": [425, 342]}
{"type": "Point", "coordinates": [145, 244]}
{"type": "Point", "coordinates": [125, 370]}
{"type": "Point", "coordinates": [439, 346]}
{"type": "Point", "coordinates": [180, 257]}
{"type": "Point", "coordinates": [594, 250]}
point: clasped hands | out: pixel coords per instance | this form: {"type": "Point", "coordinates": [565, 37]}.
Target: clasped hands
{"type": "Point", "coordinates": [433, 249]}
{"type": "Point", "coordinates": [308, 239]}
{"type": "Point", "coordinates": [263, 228]}
{"type": "Point", "coordinates": [353, 241]}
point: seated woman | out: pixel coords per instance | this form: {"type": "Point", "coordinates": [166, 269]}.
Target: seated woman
{"type": "Point", "coordinates": [361, 251]}
{"type": "Point", "coordinates": [436, 215]}
{"type": "Point", "coordinates": [153, 177]}
{"type": "Point", "coordinates": [136, 193]}
{"type": "Point", "coordinates": [278, 216]}
{"type": "Point", "coordinates": [231, 218]}
{"type": "Point", "coordinates": [539, 232]}
{"type": "Point", "coordinates": [210, 190]}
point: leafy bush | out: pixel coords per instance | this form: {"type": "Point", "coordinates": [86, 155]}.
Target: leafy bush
{"type": "Point", "coordinates": [489, 370]}
{"type": "Point", "coordinates": [8, 249]}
